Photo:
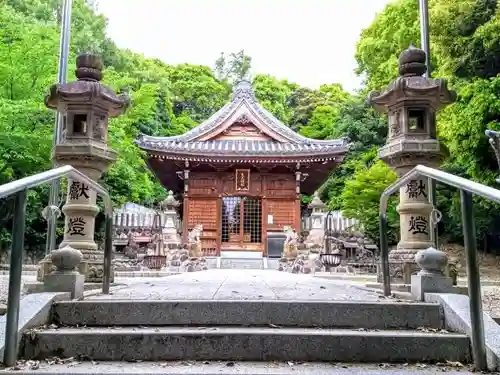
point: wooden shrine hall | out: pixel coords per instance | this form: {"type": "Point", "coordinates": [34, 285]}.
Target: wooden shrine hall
{"type": "Point", "coordinates": [241, 173]}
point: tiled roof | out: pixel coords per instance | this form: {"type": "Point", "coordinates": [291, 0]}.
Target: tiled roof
{"type": "Point", "coordinates": [293, 144]}
{"type": "Point", "coordinates": [242, 92]}
{"type": "Point", "coordinates": [245, 147]}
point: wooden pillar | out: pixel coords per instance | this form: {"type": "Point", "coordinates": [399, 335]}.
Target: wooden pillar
{"type": "Point", "coordinates": [242, 222]}
{"type": "Point", "coordinates": [219, 226]}
{"type": "Point", "coordinates": [185, 220]}
{"type": "Point", "coordinates": [264, 224]}
{"type": "Point", "coordinates": [297, 224]}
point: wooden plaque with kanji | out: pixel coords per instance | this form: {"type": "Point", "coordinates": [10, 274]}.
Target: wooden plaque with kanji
{"type": "Point", "coordinates": [242, 180]}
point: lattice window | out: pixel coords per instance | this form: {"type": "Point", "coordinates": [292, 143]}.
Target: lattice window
{"type": "Point", "coordinates": [231, 218]}
{"type": "Point", "coordinates": [241, 220]}
{"type": "Point", "coordinates": [252, 220]}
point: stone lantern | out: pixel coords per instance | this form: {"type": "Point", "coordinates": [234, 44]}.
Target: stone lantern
{"type": "Point", "coordinates": [170, 230]}
{"type": "Point", "coordinates": [317, 231]}
{"type": "Point", "coordinates": [411, 102]}
{"type": "Point", "coordinates": [86, 105]}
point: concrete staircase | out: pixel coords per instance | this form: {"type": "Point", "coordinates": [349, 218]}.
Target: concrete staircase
{"type": "Point", "coordinates": [242, 330]}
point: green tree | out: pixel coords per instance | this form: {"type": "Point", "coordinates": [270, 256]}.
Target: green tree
{"type": "Point", "coordinates": [361, 199]}
{"type": "Point", "coordinates": [367, 131]}
{"type": "Point", "coordinates": [234, 67]}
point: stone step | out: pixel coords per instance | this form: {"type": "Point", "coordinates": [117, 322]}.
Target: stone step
{"type": "Point", "coordinates": [230, 368]}
{"type": "Point", "coordinates": [244, 343]}
{"type": "Point", "coordinates": [338, 314]}
{"type": "Point", "coordinates": [149, 273]}
{"type": "Point", "coordinates": [273, 263]}
{"type": "Point", "coordinates": [211, 262]}
{"type": "Point", "coordinates": [239, 263]}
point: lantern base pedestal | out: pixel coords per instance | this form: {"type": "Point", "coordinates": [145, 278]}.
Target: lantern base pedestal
{"type": "Point", "coordinates": [45, 268]}
{"type": "Point", "coordinates": [421, 284]}
{"type": "Point", "coordinates": [92, 267]}
{"type": "Point", "coordinates": [65, 282]}
{"type": "Point", "coordinates": [400, 271]}
{"type": "Point", "coordinates": [39, 287]}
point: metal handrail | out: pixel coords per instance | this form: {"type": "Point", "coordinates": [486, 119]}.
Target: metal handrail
{"type": "Point", "coordinates": [19, 188]}
{"type": "Point", "coordinates": [443, 177]}
{"type": "Point", "coordinates": [467, 189]}
{"type": "Point", "coordinates": [54, 174]}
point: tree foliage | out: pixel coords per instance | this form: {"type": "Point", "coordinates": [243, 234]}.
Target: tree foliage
{"type": "Point", "coordinates": [171, 99]}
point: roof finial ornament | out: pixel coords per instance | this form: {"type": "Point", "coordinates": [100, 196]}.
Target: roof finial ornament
{"type": "Point", "coordinates": [246, 76]}
{"type": "Point", "coordinates": [412, 62]}
{"type": "Point", "coordinates": [243, 89]}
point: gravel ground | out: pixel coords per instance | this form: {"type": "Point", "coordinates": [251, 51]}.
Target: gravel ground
{"type": "Point", "coordinates": [491, 300]}
{"type": "Point", "coordinates": [4, 286]}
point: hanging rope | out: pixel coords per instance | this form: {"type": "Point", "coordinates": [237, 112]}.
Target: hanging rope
{"type": "Point", "coordinates": [51, 212]}
{"type": "Point", "coordinates": [435, 217]}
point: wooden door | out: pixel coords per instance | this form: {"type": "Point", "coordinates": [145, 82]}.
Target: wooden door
{"type": "Point", "coordinates": [241, 227]}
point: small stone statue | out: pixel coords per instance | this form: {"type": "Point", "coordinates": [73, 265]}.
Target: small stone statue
{"type": "Point", "coordinates": [132, 247]}
{"type": "Point", "coordinates": [157, 243]}
{"type": "Point", "coordinates": [194, 242]}
{"type": "Point", "coordinates": [290, 247]}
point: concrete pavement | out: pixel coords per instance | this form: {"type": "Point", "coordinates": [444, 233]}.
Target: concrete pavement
{"type": "Point", "coordinates": [230, 284]}
{"type": "Point", "coordinates": [243, 368]}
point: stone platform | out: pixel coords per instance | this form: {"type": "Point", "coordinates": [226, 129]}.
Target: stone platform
{"type": "Point", "coordinates": [231, 284]}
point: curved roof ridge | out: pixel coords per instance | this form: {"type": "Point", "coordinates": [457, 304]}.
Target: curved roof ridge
{"type": "Point", "coordinates": [243, 93]}
{"type": "Point", "coordinates": [244, 147]}
{"type": "Point", "coordinates": [143, 138]}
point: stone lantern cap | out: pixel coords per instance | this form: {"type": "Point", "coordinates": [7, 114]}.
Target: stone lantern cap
{"type": "Point", "coordinates": [88, 88]}
{"type": "Point", "coordinates": [170, 201]}
{"type": "Point", "coordinates": [316, 202]}
{"type": "Point", "coordinates": [412, 62]}
{"type": "Point", "coordinates": [412, 85]}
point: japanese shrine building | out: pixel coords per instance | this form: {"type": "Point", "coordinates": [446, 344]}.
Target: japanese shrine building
{"type": "Point", "coordinates": [241, 173]}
